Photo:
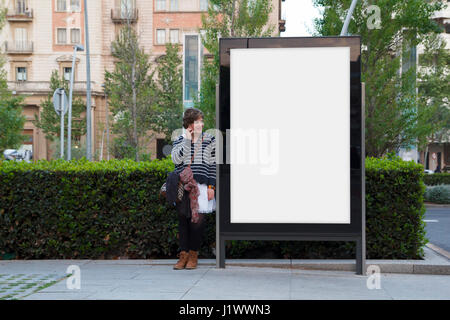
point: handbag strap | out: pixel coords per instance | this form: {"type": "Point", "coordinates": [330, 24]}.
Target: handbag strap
{"type": "Point", "coordinates": [195, 151]}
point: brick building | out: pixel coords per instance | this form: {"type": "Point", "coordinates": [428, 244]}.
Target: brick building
{"type": "Point", "coordinates": [39, 36]}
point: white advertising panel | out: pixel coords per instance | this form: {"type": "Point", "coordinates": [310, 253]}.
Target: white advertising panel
{"type": "Point", "coordinates": [290, 135]}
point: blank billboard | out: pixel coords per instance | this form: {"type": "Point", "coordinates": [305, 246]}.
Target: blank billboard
{"type": "Point", "coordinates": [290, 135]}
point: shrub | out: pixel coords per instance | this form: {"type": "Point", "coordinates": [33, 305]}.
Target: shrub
{"type": "Point", "coordinates": [436, 178]}
{"type": "Point", "coordinates": [438, 194]}
{"type": "Point", "coordinates": [80, 209]}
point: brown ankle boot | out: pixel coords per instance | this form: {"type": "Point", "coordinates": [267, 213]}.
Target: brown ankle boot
{"type": "Point", "coordinates": [193, 260]}
{"type": "Point", "coordinates": [184, 256]}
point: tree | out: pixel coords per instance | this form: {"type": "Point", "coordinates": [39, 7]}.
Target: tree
{"type": "Point", "coordinates": [131, 90]}
{"type": "Point", "coordinates": [50, 122]}
{"type": "Point", "coordinates": [227, 18]}
{"type": "Point", "coordinates": [11, 119]}
{"type": "Point", "coordinates": [170, 91]}
{"type": "Point", "coordinates": [434, 90]}
{"type": "Point", "coordinates": [392, 116]}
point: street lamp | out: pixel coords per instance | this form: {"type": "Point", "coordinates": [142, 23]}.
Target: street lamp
{"type": "Point", "coordinates": [88, 85]}
{"type": "Point", "coordinates": [344, 30]}
{"type": "Point", "coordinates": [76, 48]}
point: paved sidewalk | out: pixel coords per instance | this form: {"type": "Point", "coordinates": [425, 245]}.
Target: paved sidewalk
{"type": "Point", "coordinates": [241, 279]}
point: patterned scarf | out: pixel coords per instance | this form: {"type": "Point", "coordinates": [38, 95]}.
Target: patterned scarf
{"type": "Point", "coordinates": [190, 185]}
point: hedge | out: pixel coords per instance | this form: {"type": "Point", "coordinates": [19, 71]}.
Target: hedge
{"type": "Point", "coordinates": [103, 210]}
{"type": "Point", "coordinates": [81, 209]}
{"type": "Point", "coordinates": [438, 194]}
{"type": "Point", "coordinates": [436, 178]}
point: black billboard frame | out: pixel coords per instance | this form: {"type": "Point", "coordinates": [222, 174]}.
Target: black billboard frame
{"type": "Point", "coordinates": [355, 231]}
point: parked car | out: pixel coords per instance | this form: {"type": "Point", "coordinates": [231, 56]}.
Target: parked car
{"type": "Point", "coordinates": [428, 171]}
{"type": "Point", "coordinates": [18, 155]}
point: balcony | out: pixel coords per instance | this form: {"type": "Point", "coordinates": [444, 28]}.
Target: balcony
{"type": "Point", "coordinates": [19, 47]}
{"type": "Point", "coordinates": [119, 15]}
{"type": "Point", "coordinates": [43, 87]}
{"type": "Point", "coordinates": [19, 15]}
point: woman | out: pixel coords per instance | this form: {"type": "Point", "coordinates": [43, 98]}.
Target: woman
{"type": "Point", "coordinates": [191, 223]}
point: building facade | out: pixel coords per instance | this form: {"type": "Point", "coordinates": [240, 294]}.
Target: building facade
{"type": "Point", "coordinates": [39, 37]}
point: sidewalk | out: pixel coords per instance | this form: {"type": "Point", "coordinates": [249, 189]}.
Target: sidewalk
{"type": "Point", "coordinates": [241, 279]}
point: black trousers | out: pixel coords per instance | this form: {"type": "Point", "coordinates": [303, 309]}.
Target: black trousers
{"type": "Point", "coordinates": [191, 234]}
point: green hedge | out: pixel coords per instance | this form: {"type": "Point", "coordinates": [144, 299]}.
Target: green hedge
{"type": "Point", "coordinates": [436, 178]}
{"type": "Point", "coordinates": [94, 210]}
{"type": "Point", "coordinates": [82, 209]}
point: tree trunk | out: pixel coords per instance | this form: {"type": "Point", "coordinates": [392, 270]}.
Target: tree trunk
{"type": "Point", "coordinates": [233, 8]}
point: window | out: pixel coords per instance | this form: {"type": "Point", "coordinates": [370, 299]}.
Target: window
{"type": "Point", "coordinates": [203, 5]}
{"type": "Point", "coordinates": [126, 9]}
{"type": "Point", "coordinates": [75, 36]}
{"type": "Point", "coordinates": [67, 72]}
{"type": "Point", "coordinates": [75, 5]}
{"type": "Point", "coordinates": [62, 36]}
{"type": "Point", "coordinates": [21, 74]}
{"type": "Point", "coordinates": [21, 6]}
{"type": "Point", "coordinates": [160, 5]}
{"type": "Point", "coordinates": [173, 5]}
{"type": "Point", "coordinates": [160, 36]}
{"type": "Point", "coordinates": [174, 38]}
{"type": "Point", "coordinates": [61, 5]}
{"type": "Point", "coordinates": [21, 37]}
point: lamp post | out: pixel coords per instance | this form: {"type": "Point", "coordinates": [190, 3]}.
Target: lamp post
{"type": "Point", "coordinates": [107, 121]}
{"type": "Point", "coordinates": [344, 30]}
{"type": "Point", "coordinates": [88, 86]}
{"type": "Point", "coordinates": [76, 48]}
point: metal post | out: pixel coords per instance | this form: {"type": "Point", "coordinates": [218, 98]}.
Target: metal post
{"type": "Point", "coordinates": [88, 86]}
{"type": "Point", "coordinates": [219, 248]}
{"type": "Point", "coordinates": [61, 96]}
{"type": "Point", "coordinates": [107, 126]}
{"type": "Point", "coordinates": [348, 18]}
{"type": "Point", "coordinates": [69, 117]}
{"type": "Point", "coordinates": [363, 169]}
{"type": "Point", "coordinates": [72, 77]}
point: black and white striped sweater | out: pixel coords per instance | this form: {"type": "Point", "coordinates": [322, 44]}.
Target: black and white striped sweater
{"type": "Point", "coordinates": [204, 163]}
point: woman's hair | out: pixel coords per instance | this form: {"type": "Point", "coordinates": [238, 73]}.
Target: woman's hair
{"type": "Point", "coordinates": [190, 116]}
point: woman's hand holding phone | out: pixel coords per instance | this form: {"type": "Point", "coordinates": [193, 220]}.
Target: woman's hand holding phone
{"type": "Point", "coordinates": [189, 133]}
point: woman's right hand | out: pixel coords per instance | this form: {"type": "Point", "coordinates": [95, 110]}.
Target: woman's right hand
{"type": "Point", "coordinates": [189, 133]}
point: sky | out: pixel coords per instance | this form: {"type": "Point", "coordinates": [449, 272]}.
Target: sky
{"type": "Point", "coordinates": [299, 15]}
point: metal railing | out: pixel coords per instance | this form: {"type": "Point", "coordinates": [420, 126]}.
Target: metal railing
{"type": "Point", "coordinates": [19, 46]}
{"type": "Point", "coordinates": [19, 13]}
{"type": "Point", "coordinates": [44, 86]}
{"type": "Point", "coordinates": [122, 15]}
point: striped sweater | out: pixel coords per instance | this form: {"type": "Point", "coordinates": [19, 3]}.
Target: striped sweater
{"type": "Point", "coordinates": [204, 163]}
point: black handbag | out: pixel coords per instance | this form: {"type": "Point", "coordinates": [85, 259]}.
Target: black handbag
{"type": "Point", "coordinates": [180, 189]}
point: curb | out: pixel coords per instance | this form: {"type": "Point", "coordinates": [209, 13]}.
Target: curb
{"type": "Point", "coordinates": [350, 266]}
{"type": "Point", "coordinates": [384, 267]}
{"type": "Point", "coordinates": [435, 263]}
{"type": "Point", "coordinates": [437, 205]}
{"type": "Point", "coordinates": [439, 250]}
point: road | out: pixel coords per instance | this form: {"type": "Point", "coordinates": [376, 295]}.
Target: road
{"type": "Point", "coordinates": [438, 226]}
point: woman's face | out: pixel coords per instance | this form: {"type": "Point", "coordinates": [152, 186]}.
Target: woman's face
{"type": "Point", "coordinates": [197, 126]}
